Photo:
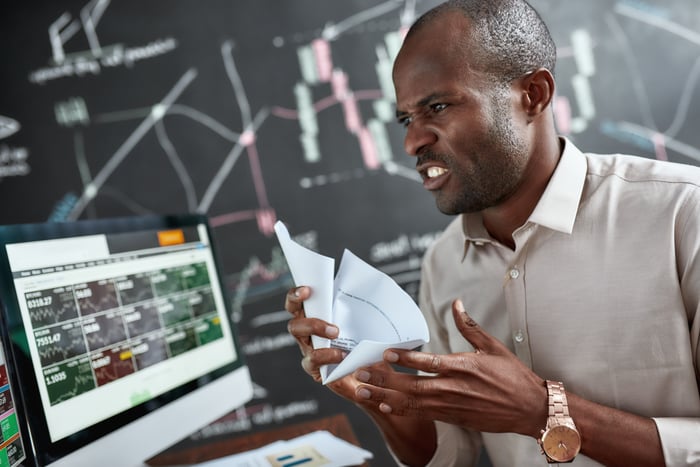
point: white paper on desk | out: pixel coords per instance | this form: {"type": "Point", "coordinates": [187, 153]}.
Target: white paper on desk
{"type": "Point", "coordinates": [336, 452]}
{"type": "Point", "coordinates": [372, 312]}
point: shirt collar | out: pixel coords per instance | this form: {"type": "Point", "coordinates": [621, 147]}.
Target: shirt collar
{"type": "Point", "coordinates": [557, 206]}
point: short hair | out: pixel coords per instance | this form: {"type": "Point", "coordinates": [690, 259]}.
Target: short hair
{"type": "Point", "coordinates": [513, 37]}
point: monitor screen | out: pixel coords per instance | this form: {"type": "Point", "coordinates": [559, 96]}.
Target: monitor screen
{"type": "Point", "coordinates": [12, 451]}
{"type": "Point", "coordinates": [112, 327]}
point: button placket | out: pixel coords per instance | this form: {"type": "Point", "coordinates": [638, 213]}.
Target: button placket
{"type": "Point", "coordinates": [515, 297]}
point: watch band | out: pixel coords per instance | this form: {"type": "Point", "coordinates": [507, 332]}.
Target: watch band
{"type": "Point", "coordinates": [558, 405]}
{"type": "Point", "coordinates": [560, 441]}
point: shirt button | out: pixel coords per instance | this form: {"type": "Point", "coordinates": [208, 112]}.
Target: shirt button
{"type": "Point", "coordinates": [518, 336]}
{"type": "Point", "coordinates": [514, 273]}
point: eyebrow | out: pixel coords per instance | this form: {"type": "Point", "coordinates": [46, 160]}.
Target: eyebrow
{"type": "Point", "coordinates": [423, 102]}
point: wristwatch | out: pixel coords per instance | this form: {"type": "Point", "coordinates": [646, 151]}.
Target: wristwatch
{"type": "Point", "coordinates": [560, 441]}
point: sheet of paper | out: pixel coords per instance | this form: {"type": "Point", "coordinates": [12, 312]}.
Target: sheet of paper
{"type": "Point", "coordinates": [316, 271]}
{"type": "Point", "coordinates": [372, 312]}
{"type": "Point", "coordinates": [320, 448]}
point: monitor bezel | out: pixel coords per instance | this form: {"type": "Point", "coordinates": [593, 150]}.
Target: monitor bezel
{"type": "Point", "coordinates": [26, 387]}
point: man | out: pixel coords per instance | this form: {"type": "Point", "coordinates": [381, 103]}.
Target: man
{"type": "Point", "coordinates": [580, 269]}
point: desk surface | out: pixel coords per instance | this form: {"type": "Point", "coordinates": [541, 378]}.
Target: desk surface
{"type": "Point", "coordinates": [337, 424]}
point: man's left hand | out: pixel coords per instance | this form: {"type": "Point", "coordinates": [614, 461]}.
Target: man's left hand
{"type": "Point", "coordinates": [488, 390]}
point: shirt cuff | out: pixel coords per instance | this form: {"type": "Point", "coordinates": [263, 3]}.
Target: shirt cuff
{"type": "Point", "coordinates": [680, 440]}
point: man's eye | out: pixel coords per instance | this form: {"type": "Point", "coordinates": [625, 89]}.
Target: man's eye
{"type": "Point", "coordinates": [438, 107]}
{"type": "Point", "coordinates": [405, 121]}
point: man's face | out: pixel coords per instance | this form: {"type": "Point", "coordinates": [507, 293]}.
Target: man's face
{"type": "Point", "coordinates": [459, 122]}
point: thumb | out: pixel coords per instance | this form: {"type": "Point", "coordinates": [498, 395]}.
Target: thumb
{"type": "Point", "coordinates": [472, 332]}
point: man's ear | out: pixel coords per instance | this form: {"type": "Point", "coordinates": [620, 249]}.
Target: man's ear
{"type": "Point", "coordinates": [537, 91]}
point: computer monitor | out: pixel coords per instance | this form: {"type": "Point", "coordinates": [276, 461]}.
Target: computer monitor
{"type": "Point", "coordinates": [117, 340]}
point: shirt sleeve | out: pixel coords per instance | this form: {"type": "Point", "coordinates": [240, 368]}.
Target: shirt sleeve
{"type": "Point", "coordinates": [680, 437]}
{"type": "Point", "coordinates": [680, 440]}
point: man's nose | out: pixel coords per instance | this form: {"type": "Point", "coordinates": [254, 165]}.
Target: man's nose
{"type": "Point", "coordinates": [418, 138]}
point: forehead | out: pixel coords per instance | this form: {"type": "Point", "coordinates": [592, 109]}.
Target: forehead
{"type": "Point", "coordinates": [436, 54]}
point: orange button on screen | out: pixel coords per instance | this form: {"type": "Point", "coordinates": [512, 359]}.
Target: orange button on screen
{"type": "Point", "coordinates": [171, 237]}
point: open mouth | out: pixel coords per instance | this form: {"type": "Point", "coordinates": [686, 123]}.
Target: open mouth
{"type": "Point", "coordinates": [433, 172]}
{"type": "Point", "coordinates": [434, 177]}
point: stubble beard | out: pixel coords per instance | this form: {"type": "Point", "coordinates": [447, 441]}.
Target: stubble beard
{"type": "Point", "coordinates": [496, 169]}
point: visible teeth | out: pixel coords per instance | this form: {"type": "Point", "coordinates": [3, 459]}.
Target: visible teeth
{"type": "Point", "coordinates": [436, 172]}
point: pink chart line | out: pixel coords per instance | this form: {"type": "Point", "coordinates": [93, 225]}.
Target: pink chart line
{"type": "Point", "coordinates": [326, 102]}
{"type": "Point", "coordinates": [230, 218]}
{"type": "Point", "coordinates": [257, 175]}
{"type": "Point", "coordinates": [659, 141]}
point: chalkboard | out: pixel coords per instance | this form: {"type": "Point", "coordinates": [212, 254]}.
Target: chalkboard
{"type": "Point", "coordinates": [257, 110]}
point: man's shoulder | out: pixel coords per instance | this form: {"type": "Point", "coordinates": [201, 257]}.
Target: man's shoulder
{"type": "Point", "coordinates": [637, 169]}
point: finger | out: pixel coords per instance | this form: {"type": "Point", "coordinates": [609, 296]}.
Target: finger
{"type": "Point", "coordinates": [395, 393]}
{"type": "Point", "coordinates": [303, 328]}
{"type": "Point", "coordinates": [294, 302]}
{"type": "Point", "coordinates": [472, 332]}
{"type": "Point", "coordinates": [386, 377]}
{"type": "Point", "coordinates": [399, 393]}
{"type": "Point", "coordinates": [421, 361]}
{"type": "Point", "coordinates": [420, 396]}
{"type": "Point", "coordinates": [314, 360]}
{"type": "Point", "coordinates": [407, 405]}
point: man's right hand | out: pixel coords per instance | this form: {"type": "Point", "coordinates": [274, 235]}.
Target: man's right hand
{"type": "Point", "coordinates": [302, 328]}
{"type": "Point", "coordinates": [412, 440]}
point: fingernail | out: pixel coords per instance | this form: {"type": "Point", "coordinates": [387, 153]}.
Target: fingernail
{"type": "Point", "coordinates": [362, 375]}
{"type": "Point", "coordinates": [460, 306]}
{"type": "Point", "coordinates": [384, 408]}
{"type": "Point", "coordinates": [363, 393]}
{"type": "Point", "coordinates": [331, 332]}
{"type": "Point", "coordinates": [391, 357]}
{"type": "Point", "coordinates": [296, 292]}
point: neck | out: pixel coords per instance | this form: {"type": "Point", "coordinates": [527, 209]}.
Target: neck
{"type": "Point", "coordinates": [503, 219]}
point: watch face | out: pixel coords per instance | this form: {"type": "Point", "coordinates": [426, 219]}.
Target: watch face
{"type": "Point", "coordinates": [561, 443]}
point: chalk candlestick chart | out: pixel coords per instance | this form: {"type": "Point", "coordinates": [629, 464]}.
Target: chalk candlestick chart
{"type": "Point", "coordinates": [316, 65]}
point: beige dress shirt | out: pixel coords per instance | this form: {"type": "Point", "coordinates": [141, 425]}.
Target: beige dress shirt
{"type": "Point", "coordinates": [602, 292]}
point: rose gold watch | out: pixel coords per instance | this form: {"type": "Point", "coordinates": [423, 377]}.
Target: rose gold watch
{"type": "Point", "coordinates": [560, 440]}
